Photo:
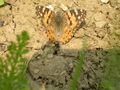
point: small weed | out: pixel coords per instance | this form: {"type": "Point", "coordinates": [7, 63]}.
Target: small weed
{"type": "Point", "coordinates": [111, 80]}
{"type": "Point", "coordinates": [106, 85]}
{"type": "Point", "coordinates": [12, 67]}
{"type": "Point", "coordinates": [78, 68]}
{"type": "Point", "coordinates": [1, 2]}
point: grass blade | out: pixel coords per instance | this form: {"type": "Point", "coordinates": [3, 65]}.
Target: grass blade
{"type": "Point", "coordinates": [78, 69]}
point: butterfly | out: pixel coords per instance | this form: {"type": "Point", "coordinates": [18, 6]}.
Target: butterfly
{"type": "Point", "coordinates": [61, 25]}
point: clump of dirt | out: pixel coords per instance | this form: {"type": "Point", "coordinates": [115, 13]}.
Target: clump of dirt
{"type": "Point", "coordinates": [51, 67]}
{"type": "Point", "coordinates": [54, 69]}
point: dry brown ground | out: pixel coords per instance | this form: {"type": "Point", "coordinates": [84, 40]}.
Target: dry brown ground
{"type": "Point", "coordinates": [20, 15]}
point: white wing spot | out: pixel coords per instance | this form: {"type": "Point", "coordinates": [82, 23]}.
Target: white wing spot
{"type": "Point", "coordinates": [50, 7]}
{"type": "Point", "coordinates": [76, 12]}
{"type": "Point", "coordinates": [43, 10]}
{"type": "Point", "coordinates": [41, 14]}
{"type": "Point", "coordinates": [79, 17]}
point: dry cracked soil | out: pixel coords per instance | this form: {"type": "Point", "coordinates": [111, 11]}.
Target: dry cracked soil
{"type": "Point", "coordinates": [50, 66]}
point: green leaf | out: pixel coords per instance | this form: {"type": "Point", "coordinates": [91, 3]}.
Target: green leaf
{"type": "Point", "coordinates": [12, 47]}
{"type": "Point", "coordinates": [107, 85]}
{"type": "Point", "coordinates": [18, 38]}
{"type": "Point", "coordinates": [78, 68]}
{"type": "Point", "coordinates": [23, 44]}
{"type": "Point", "coordinates": [1, 2]}
{"type": "Point", "coordinates": [25, 36]}
{"type": "Point", "coordinates": [24, 51]}
{"type": "Point", "coordinates": [15, 80]}
{"type": "Point", "coordinates": [23, 59]}
{"type": "Point", "coordinates": [1, 65]}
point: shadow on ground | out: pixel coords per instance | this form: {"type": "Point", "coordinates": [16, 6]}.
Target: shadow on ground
{"type": "Point", "coordinates": [53, 69]}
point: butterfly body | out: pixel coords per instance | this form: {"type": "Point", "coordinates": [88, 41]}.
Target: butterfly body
{"type": "Point", "coordinates": [60, 25]}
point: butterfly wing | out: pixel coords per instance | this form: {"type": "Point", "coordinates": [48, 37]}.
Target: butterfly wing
{"type": "Point", "coordinates": [74, 18]}
{"type": "Point", "coordinates": [46, 15]}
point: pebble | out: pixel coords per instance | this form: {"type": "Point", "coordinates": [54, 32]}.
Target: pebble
{"type": "Point", "coordinates": [65, 8]}
{"type": "Point", "coordinates": [36, 71]}
{"type": "Point", "coordinates": [104, 1]}
{"type": "Point", "coordinates": [1, 23]}
{"type": "Point", "coordinates": [117, 32]}
{"type": "Point", "coordinates": [50, 56]}
{"type": "Point", "coordinates": [100, 24]}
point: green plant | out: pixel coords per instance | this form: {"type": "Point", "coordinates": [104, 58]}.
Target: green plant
{"type": "Point", "coordinates": [106, 85]}
{"type": "Point", "coordinates": [111, 79]}
{"type": "Point", "coordinates": [78, 68]}
{"type": "Point", "coordinates": [1, 2]}
{"type": "Point", "coordinates": [12, 67]}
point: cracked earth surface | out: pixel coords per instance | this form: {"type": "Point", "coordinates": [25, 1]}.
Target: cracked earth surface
{"type": "Point", "coordinates": [50, 67]}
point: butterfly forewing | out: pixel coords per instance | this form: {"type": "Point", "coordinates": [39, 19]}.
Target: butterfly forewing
{"type": "Point", "coordinates": [46, 15]}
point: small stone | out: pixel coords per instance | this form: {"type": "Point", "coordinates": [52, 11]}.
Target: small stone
{"type": "Point", "coordinates": [65, 8]}
{"type": "Point", "coordinates": [41, 52]}
{"type": "Point", "coordinates": [50, 56]}
{"type": "Point", "coordinates": [117, 32]}
{"type": "Point", "coordinates": [100, 24]}
{"type": "Point", "coordinates": [1, 23]}
{"type": "Point", "coordinates": [3, 47]}
{"type": "Point", "coordinates": [36, 71]}
{"type": "Point", "coordinates": [104, 1]}
{"type": "Point", "coordinates": [100, 33]}
{"type": "Point", "coordinates": [99, 17]}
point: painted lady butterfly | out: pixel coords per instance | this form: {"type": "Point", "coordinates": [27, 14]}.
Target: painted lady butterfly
{"type": "Point", "coordinates": [60, 25]}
